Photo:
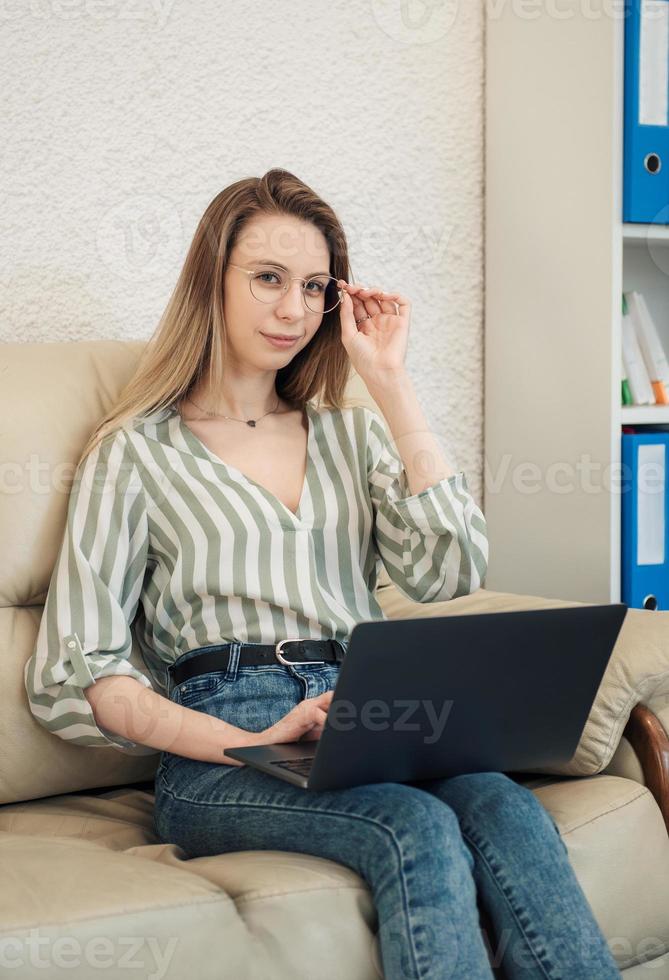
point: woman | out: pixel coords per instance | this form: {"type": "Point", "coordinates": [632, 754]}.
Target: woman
{"type": "Point", "coordinates": [222, 507]}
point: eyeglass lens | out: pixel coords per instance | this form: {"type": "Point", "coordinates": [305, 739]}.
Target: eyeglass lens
{"type": "Point", "coordinates": [320, 293]}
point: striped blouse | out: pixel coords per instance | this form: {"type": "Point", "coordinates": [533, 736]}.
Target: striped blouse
{"type": "Point", "coordinates": [165, 541]}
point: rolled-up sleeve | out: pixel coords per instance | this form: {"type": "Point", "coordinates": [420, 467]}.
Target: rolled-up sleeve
{"type": "Point", "coordinates": [434, 544]}
{"type": "Point", "coordinates": [93, 595]}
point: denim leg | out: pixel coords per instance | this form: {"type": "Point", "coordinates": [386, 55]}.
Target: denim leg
{"type": "Point", "coordinates": [405, 843]}
{"type": "Point", "coordinates": [544, 926]}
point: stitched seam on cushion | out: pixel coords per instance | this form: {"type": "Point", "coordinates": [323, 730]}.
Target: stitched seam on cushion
{"type": "Point", "coordinates": [90, 820]}
{"type": "Point", "coordinates": [335, 813]}
{"type": "Point", "coordinates": [501, 889]}
{"type": "Point", "coordinates": [613, 809]}
{"type": "Point", "coordinates": [302, 891]}
{"type": "Point", "coordinates": [115, 915]}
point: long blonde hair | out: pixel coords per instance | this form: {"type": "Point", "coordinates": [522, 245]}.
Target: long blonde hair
{"type": "Point", "coordinates": [190, 341]}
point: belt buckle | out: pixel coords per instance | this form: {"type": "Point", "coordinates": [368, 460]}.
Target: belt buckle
{"type": "Point", "coordinates": [297, 663]}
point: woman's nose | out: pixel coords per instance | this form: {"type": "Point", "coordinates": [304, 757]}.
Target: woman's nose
{"type": "Point", "coordinates": [293, 300]}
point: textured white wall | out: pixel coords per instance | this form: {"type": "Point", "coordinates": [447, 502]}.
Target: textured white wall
{"type": "Point", "coordinates": [124, 118]}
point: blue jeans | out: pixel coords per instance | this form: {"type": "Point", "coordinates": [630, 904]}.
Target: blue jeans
{"type": "Point", "coordinates": [440, 856]}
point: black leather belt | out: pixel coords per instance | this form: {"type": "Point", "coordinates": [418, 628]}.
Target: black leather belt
{"type": "Point", "coordinates": [285, 652]}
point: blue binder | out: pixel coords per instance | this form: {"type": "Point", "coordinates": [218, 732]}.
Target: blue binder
{"type": "Point", "coordinates": [646, 143]}
{"type": "Point", "coordinates": [645, 520]}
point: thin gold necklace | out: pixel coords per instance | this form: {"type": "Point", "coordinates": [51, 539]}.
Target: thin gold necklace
{"type": "Point", "coordinates": [251, 422]}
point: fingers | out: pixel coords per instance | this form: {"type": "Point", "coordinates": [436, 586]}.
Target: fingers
{"type": "Point", "coordinates": [364, 308]}
{"type": "Point", "coordinates": [395, 303]}
{"type": "Point", "coordinates": [304, 722]}
{"type": "Point", "coordinates": [318, 708]}
{"type": "Point", "coordinates": [349, 327]}
{"type": "Point", "coordinates": [315, 721]}
{"type": "Point", "coordinates": [357, 289]}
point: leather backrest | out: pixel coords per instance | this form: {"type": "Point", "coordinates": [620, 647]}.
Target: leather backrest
{"type": "Point", "coordinates": [51, 397]}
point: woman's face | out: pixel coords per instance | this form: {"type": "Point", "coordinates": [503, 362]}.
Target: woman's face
{"type": "Point", "coordinates": [279, 240]}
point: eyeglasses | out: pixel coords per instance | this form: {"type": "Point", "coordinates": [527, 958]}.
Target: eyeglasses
{"type": "Point", "coordinates": [320, 293]}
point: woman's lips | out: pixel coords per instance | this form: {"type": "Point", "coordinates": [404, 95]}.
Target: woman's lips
{"type": "Point", "coordinates": [276, 342]}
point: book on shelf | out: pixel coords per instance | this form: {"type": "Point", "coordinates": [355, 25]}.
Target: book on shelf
{"type": "Point", "coordinates": [625, 393]}
{"type": "Point", "coordinates": [635, 368]}
{"type": "Point", "coordinates": [648, 349]}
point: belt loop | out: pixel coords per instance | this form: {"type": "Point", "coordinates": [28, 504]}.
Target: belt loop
{"type": "Point", "coordinates": [233, 660]}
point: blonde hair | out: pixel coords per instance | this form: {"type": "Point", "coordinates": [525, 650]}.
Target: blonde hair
{"type": "Point", "coordinates": [190, 341]}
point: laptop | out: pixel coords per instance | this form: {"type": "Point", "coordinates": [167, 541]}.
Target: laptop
{"type": "Point", "coordinates": [425, 698]}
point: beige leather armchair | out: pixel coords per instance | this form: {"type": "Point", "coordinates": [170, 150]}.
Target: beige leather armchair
{"type": "Point", "coordinates": [88, 886]}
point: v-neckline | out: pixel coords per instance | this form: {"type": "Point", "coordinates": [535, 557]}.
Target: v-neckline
{"type": "Point", "coordinates": [198, 447]}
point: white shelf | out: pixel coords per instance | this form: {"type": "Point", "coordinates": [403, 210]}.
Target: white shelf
{"type": "Point", "coordinates": [644, 414]}
{"type": "Point", "coordinates": [646, 234]}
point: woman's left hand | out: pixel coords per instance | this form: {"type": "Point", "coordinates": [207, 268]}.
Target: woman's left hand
{"type": "Point", "coordinates": [377, 345]}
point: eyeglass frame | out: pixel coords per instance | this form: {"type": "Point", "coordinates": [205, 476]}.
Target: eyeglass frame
{"type": "Point", "coordinates": [251, 272]}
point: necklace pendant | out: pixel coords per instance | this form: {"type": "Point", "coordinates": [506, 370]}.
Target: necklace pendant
{"type": "Point", "coordinates": [251, 422]}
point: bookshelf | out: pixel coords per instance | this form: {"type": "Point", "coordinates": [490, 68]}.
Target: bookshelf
{"type": "Point", "coordinates": [558, 258]}
{"type": "Point", "coordinates": [644, 414]}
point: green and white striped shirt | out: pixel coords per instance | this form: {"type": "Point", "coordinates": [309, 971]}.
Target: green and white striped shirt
{"type": "Point", "coordinates": [164, 539]}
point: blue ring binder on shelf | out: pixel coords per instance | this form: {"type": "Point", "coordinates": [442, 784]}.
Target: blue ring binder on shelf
{"type": "Point", "coordinates": [646, 142]}
{"type": "Point", "coordinates": [644, 523]}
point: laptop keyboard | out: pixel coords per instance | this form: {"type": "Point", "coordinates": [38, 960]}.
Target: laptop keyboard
{"type": "Point", "coordinates": [301, 766]}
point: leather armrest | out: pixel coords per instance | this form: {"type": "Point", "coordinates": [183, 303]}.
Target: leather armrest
{"type": "Point", "coordinates": [647, 736]}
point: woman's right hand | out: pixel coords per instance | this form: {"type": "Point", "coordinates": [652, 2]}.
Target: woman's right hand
{"type": "Point", "coordinates": [303, 723]}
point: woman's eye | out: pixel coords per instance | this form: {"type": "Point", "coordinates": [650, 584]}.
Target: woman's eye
{"type": "Point", "coordinates": [261, 274]}
{"type": "Point", "coordinates": [319, 286]}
